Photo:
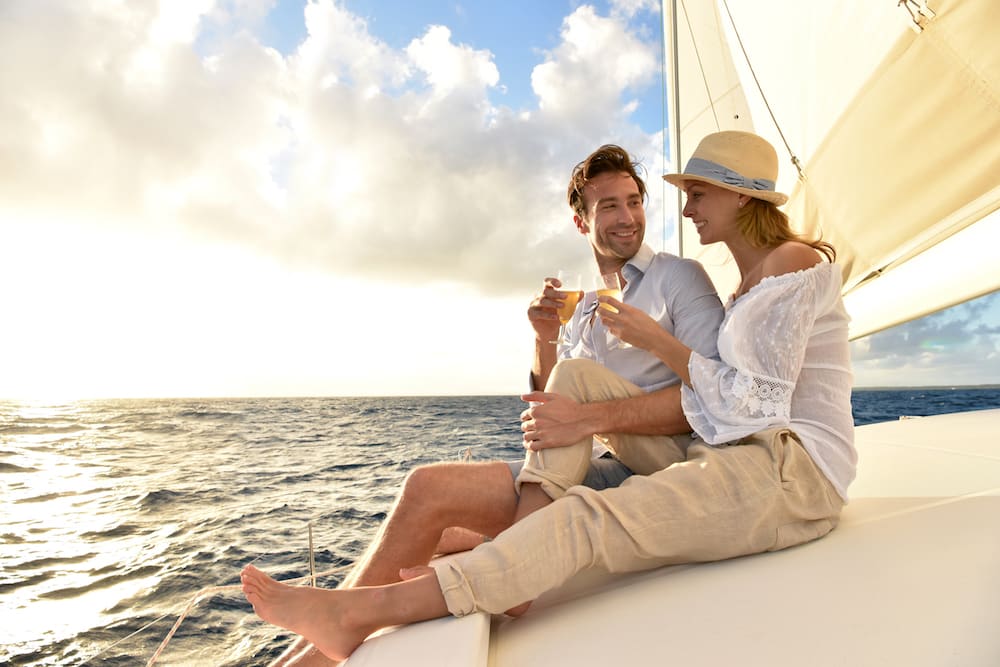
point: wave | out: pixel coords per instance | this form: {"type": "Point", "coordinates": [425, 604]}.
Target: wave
{"type": "Point", "coordinates": [42, 498]}
{"type": "Point", "coordinates": [209, 414]}
{"type": "Point", "coordinates": [121, 530]}
{"type": "Point", "coordinates": [20, 429]}
{"type": "Point", "coordinates": [11, 467]}
{"type": "Point", "coordinates": [105, 582]}
{"type": "Point", "coordinates": [53, 561]}
{"type": "Point", "coordinates": [32, 580]}
{"type": "Point", "coordinates": [156, 500]}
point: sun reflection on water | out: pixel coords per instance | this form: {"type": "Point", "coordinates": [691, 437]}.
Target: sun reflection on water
{"type": "Point", "coordinates": [74, 547]}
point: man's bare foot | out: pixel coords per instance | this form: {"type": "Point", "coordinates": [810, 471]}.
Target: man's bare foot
{"type": "Point", "coordinates": [322, 616]}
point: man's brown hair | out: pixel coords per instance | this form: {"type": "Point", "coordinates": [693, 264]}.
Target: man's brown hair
{"type": "Point", "coordinates": [608, 157]}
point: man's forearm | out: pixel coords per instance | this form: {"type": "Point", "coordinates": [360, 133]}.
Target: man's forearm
{"type": "Point", "coordinates": [656, 413]}
{"type": "Point", "coordinates": [544, 362]}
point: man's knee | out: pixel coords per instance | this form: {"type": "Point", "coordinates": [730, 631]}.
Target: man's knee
{"type": "Point", "coordinates": [439, 483]}
{"type": "Point", "coordinates": [567, 374]}
{"type": "Point", "coordinates": [425, 482]}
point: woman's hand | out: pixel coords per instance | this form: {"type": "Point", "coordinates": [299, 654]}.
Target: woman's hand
{"type": "Point", "coordinates": [636, 327]}
{"type": "Point", "coordinates": [630, 324]}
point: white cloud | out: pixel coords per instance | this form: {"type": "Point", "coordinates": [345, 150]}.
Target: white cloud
{"type": "Point", "coordinates": [585, 77]}
{"type": "Point", "coordinates": [959, 339]}
{"type": "Point", "coordinates": [348, 154]}
{"type": "Point", "coordinates": [630, 8]}
{"type": "Point", "coordinates": [450, 68]}
{"type": "Point", "coordinates": [175, 191]}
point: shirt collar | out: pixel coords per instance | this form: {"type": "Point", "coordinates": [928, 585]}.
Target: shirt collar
{"type": "Point", "coordinates": [639, 262]}
{"type": "Point", "coordinates": [636, 266]}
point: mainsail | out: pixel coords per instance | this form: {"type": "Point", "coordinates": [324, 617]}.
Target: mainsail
{"type": "Point", "coordinates": [886, 118]}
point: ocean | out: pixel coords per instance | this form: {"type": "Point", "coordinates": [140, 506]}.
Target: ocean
{"type": "Point", "coordinates": [117, 512]}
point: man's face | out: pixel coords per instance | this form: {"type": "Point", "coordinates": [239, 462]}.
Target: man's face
{"type": "Point", "coordinates": [615, 221]}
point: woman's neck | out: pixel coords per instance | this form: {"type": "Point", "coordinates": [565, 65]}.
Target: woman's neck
{"type": "Point", "coordinates": [749, 260]}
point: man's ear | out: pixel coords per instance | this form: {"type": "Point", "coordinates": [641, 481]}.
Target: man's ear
{"type": "Point", "coordinates": [581, 225]}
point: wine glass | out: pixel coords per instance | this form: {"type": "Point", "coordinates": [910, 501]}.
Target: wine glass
{"type": "Point", "coordinates": [611, 284]}
{"type": "Point", "coordinates": [569, 286]}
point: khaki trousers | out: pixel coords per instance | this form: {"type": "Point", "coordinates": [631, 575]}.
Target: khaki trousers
{"type": "Point", "coordinates": [763, 493]}
{"type": "Point", "coordinates": [559, 468]}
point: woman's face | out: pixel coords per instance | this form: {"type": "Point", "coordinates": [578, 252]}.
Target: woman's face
{"type": "Point", "coordinates": [712, 210]}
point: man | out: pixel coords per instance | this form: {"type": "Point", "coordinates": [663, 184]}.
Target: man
{"type": "Point", "coordinates": [583, 380]}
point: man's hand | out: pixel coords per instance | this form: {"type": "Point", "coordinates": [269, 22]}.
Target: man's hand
{"type": "Point", "coordinates": [542, 313]}
{"type": "Point", "coordinates": [554, 420]}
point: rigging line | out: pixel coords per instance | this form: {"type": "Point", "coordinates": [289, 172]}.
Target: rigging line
{"type": "Point", "coordinates": [212, 590]}
{"type": "Point", "coordinates": [760, 89]}
{"type": "Point", "coordinates": [312, 577]}
{"type": "Point", "coordinates": [123, 639]}
{"type": "Point", "coordinates": [107, 648]}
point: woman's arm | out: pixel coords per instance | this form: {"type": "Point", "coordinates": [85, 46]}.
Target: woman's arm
{"type": "Point", "coordinates": [639, 329]}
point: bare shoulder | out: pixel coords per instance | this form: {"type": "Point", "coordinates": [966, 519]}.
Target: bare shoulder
{"type": "Point", "coordinates": [789, 257]}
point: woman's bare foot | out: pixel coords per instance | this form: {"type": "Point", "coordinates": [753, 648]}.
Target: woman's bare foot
{"type": "Point", "coordinates": [322, 616]}
{"type": "Point", "coordinates": [455, 539]}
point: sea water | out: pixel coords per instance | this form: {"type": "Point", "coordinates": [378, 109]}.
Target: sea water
{"type": "Point", "coordinates": [116, 513]}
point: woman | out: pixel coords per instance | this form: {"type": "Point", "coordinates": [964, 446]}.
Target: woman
{"type": "Point", "coordinates": [771, 469]}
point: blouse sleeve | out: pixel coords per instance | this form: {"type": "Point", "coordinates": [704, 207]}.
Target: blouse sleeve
{"type": "Point", "coordinates": [761, 345]}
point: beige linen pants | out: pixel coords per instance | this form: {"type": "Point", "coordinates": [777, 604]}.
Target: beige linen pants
{"type": "Point", "coordinates": [559, 468]}
{"type": "Point", "coordinates": [761, 494]}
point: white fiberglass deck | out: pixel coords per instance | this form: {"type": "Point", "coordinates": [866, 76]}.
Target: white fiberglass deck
{"type": "Point", "coordinates": [909, 578]}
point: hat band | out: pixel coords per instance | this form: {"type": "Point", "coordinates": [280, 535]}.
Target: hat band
{"type": "Point", "coordinates": [697, 166]}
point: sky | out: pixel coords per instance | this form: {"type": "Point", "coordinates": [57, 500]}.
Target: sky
{"type": "Point", "coordinates": [357, 197]}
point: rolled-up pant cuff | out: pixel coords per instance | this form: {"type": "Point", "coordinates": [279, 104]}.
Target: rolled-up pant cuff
{"type": "Point", "coordinates": [456, 590]}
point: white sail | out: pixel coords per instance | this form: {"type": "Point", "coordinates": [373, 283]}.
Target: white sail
{"type": "Point", "coordinates": [891, 111]}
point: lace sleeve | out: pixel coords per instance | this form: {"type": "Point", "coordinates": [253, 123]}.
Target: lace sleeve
{"type": "Point", "coordinates": [761, 344]}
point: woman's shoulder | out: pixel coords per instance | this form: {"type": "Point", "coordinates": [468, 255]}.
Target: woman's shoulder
{"type": "Point", "coordinates": [789, 257]}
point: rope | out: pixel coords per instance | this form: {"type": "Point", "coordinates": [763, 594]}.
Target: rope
{"type": "Point", "coordinates": [212, 590]}
{"type": "Point", "coordinates": [187, 610]}
{"type": "Point", "coordinates": [763, 96]}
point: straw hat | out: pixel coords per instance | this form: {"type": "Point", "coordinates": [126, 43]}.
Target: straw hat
{"type": "Point", "coordinates": [737, 161]}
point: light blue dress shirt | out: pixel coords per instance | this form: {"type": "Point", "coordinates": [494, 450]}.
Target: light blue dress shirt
{"type": "Point", "coordinates": [676, 292]}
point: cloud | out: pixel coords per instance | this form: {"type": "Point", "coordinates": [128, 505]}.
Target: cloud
{"type": "Point", "coordinates": [346, 154]}
{"type": "Point", "coordinates": [960, 339]}
{"type": "Point", "coordinates": [588, 73]}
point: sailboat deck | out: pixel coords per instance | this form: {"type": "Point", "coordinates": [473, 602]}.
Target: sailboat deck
{"type": "Point", "coordinates": [909, 577]}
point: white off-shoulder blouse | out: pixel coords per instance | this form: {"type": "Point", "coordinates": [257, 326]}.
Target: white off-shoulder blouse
{"type": "Point", "coordinates": [785, 361]}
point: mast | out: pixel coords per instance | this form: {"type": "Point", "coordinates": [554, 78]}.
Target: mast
{"type": "Point", "coordinates": [670, 56]}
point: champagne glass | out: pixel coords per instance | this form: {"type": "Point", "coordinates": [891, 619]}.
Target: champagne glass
{"type": "Point", "coordinates": [569, 286]}
{"type": "Point", "coordinates": [611, 284]}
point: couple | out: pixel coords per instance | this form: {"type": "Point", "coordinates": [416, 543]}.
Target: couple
{"type": "Point", "coordinates": [767, 467]}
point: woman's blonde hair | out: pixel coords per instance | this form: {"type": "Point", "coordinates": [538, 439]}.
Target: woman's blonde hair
{"type": "Point", "coordinates": [764, 225]}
